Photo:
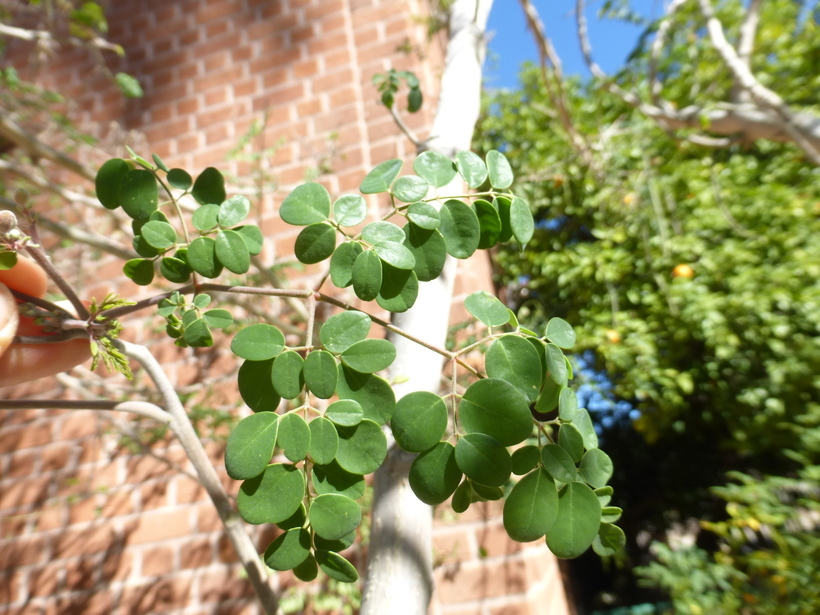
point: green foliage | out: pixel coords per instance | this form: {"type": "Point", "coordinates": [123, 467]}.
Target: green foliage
{"type": "Point", "coordinates": [388, 85]}
{"type": "Point", "coordinates": [302, 464]}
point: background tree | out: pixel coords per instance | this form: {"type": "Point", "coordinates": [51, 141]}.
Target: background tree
{"type": "Point", "coordinates": [694, 270]}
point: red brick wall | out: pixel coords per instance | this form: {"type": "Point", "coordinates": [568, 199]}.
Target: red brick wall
{"type": "Point", "coordinates": [86, 527]}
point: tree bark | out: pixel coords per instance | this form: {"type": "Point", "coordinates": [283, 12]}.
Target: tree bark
{"type": "Point", "coordinates": [399, 571]}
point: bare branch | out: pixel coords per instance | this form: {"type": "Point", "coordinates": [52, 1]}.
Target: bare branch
{"type": "Point", "coordinates": [748, 30]}
{"type": "Point", "coordinates": [655, 52]}
{"type": "Point", "coordinates": [47, 39]}
{"type": "Point", "coordinates": [140, 408]}
{"type": "Point", "coordinates": [404, 127]}
{"type": "Point", "coordinates": [181, 425]}
{"type": "Point", "coordinates": [583, 39]}
{"type": "Point", "coordinates": [763, 96]}
{"type": "Point", "coordinates": [15, 133]}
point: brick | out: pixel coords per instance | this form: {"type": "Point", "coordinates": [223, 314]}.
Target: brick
{"type": "Point", "coordinates": [21, 464]}
{"type": "Point", "coordinates": [225, 550]}
{"type": "Point", "coordinates": [88, 603]}
{"type": "Point", "coordinates": [86, 509]}
{"type": "Point", "coordinates": [21, 551]}
{"type": "Point", "coordinates": [163, 594]}
{"type": "Point", "coordinates": [478, 581]}
{"type": "Point", "coordinates": [157, 525]}
{"type": "Point", "coordinates": [116, 565]}
{"type": "Point", "coordinates": [71, 543]}
{"type": "Point", "coordinates": [493, 541]}
{"type": "Point", "coordinates": [81, 574]}
{"type": "Point", "coordinates": [157, 561]}
{"type": "Point", "coordinates": [154, 495]}
{"type": "Point", "coordinates": [16, 439]}
{"type": "Point", "coordinates": [222, 585]}
{"type": "Point", "coordinates": [25, 492]}
{"type": "Point", "coordinates": [10, 583]}
{"type": "Point", "coordinates": [196, 553]}
{"type": "Point", "coordinates": [452, 545]}
{"type": "Point", "coordinates": [45, 580]}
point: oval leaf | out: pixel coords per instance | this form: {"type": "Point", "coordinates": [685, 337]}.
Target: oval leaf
{"type": "Point", "coordinates": [577, 523]}
{"type": "Point", "coordinates": [306, 204]}
{"type": "Point", "coordinates": [373, 394]}
{"type": "Point", "coordinates": [294, 436]}
{"type": "Point", "coordinates": [320, 373]}
{"type": "Point", "coordinates": [258, 342]}
{"type": "Point", "coordinates": [424, 215]}
{"type": "Point", "coordinates": [531, 507]}
{"type": "Point", "coordinates": [501, 175]}
{"type": "Point", "coordinates": [487, 308]}
{"type": "Point", "coordinates": [513, 359]}
{"type": "Point", "coordinates": [255, 386]}
{"type": "Point", "coordinates": [343, 330]}
{"type": "Point", "coordinates": [345, 412]}
{"type": "Point", "coordinates": [202, 257]}
{"type": "Point", "coordinates": [367, 275]}
{"type": "Point", "coordinates": [209, 187]}
{"type": "Point", "coordinates": [369, 356]}
{"type": "Point", "coordinates": [419, 421]}
{"type": "Point", "coordinates": [521, 220]}
{"type": "Point", "coordinates": [138, 195]}
{"type": "Point", "coordinates": [333, 516]}
{"type": "Point", "coordinates": [483, 459]}
{"type": "Point", "coordinates": [342, 262]}
{"type": "Point", "coordinates": [232, 251]}
{"type": "Point", "coordinates": [496, 408]}
{"type": "Point", "coordinates": [362, 448]}
{"type": "Point", "coordinates": [380, 178]}
{"type": "Point", "coordinates": [286, 374]}
{"type": "Point", "coordinates": [272, 496]}
{"type": "Point", "coordinates": [315, 243]}
{"type": "Point", "coordinates": [288, 550]}
{"type": "Point", "coordinates": [350, 209]}
{"type": "Point", "coordinates": [460, 228]}
{"type": "Point", "coordinates": [324, 441]}
{"type": "Point", "coordinates": [472, 168]}
{"type": "Point", "coordinates": [107, 182]}
{"type": "Point", "coordinates": [234, 210]}
{"type": "Point", "coordinates": [434, 475]}
{"type": "Point", "coordinates": [250, 445]}
{"type": "Point", "coordinates": [410, 188]}
{"type": "Point", "coordinates": [437, 169]}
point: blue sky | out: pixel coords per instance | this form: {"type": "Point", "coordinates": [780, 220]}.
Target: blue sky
{"type": "Point", "coordinates": [512, 44]}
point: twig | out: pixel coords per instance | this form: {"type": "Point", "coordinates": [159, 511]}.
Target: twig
{"type": "Point", "coordinates": [657, 46]}
{"type": "Point", "coordinates": [141, 408]}
{"type": "Point", "coordinates": [182, 428]}
{"type": "Point", "coordinates": [39, 256]}
{"type": "Point", "coordinates": [404, 128]}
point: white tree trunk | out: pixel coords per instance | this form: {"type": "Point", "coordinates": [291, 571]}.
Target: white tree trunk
{"type": "Point", "coordinates": [399, 572]}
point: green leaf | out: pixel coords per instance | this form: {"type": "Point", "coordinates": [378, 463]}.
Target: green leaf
{"type": "Point", "coordinates": [218, 318]}
{"type": "Point", "coordinates": [373, 394]}
{"type": "Point", "coordinates": [138, 195]}
{"type": "Point", "coordinates": [272, 496]}
{"type": "Point", "coordinates": [548, 399]}
{"type": "Point", "coordinates": [567, 404]}
{"type": "Point", "coordinates": [209, 187]}
{"type": "Point", "coordinates": [175, 270]}
{"type": "Point", "coordinates": [513, 359]}
{"type": "Point", "coordinates": [531, 507]}
{"type": "Point", "coordinates": [202, 301]}
{"type": "Point", "coordinates": [362, 448]}
{"type": "Point", "coordinates": [610, 540]}
{"type": "Point", "coordinates": [560, 333]}
{"type": "Point", "coordinates": [501, 175]}
{"type": "Point", "coordinates": [488, 222]}
{"type": "Point", "coordinates": [140, 270]}
{"type": "Point", "coordinates": [159, 235]}
{"type": "Point", "coordinates": [142, 248]}
{"type": "Point", "coordinates": [410, 188]}
{"type": "Point", "coordinates": [255, 386]}
{"type": "Point", "coordinates": [308, 570]}
{"type": "Point", "coordinates": [399, 289]}
{"type": "Point", "coordinates": [198, 335]}
{"type": "Point", "coordinates": [332, 478]}
{"type": "Point", "coordinates": [521, 220]}
{"type": "Point", "coordinates": [577, 523]}
{"type": "Point", "coordinates": [288, 550]}
{"type": "Point", "coordinates": [487, 493]}
{"type": "Point", "coordinates": [315, 243]}
{"type": "Point", "coordinates": [252, 236]}
{"type": "Point", "coordinates": [107, 182]}
{"type": "Point", "coordinates": [202, 257]}
{"type": "Point", "coordinates": [336, 567]}
{"type": "Point", "coordinates": [428, 250]}
{"type": "Point", "coordinates": [496, 408]}
{"type": "Point", "coordinates": [342, 263]}
{"type": "Point", "coordinates": [7, 260]}
{"type": "Point", "coordinates": [609, 514]}
{"type": "Point", "coordinates": [472, 168]}
{"type": "Point", "coordinates": [297, 519]}
{"type": "Point", "coordinates": [320, 373]}
{"type": "Point", "coordinates": [395, 254]}
{"type": "Point", "coordinates": [483, 459]}
{"type": "Point", "coordinates": [324, 441]}
{"type": "Point", "coordinates": [434, 475]}
{"type": "Point", "coordinates": [460, 228]}
{"type": "Point", "coordinates": [380, 178]}
{"type": "Point", "coordinates": [234, 210]}
{"type": "Point", "coordinates": [286, 374]}
{"type": "Point", "coordinates": [462, 497]}
{"type": "Point", "coordinates": [424, 215]}
{"type": "Point", "coordinates": [570, 439]}
{"type": "Point", "coordinates": [584, 424]}
{"type": "Point", "coordinates": [333, 516]}
{"type": "Point", "coordinates": [377, 232]}
{"type": "Point", "coordinates": [525, 459]}
{"type": "Point", "coordinates": [160, 162]}
{"type": "Point", "coordinates": [369, 356]}
{"type": "Point", "coordinates": [558, 463]}
{"type": "Point", "coordinates": [258, 342]}
{"type": "Point", "coordinates": [367, 275]}
{"type": "Point", "coordinates": [596, 468]}
{"type": "Point", "coordinates": [307, 204]}
{"type": "Point", "coordinates": [414, 100]}
{"type": "Point", "coordinates": [180, 179]}
{"type": "Point", "coordinates": [294, 436]}
{"type": "Point", "coordinates": [350, 209]}
{"type": "Point", "coordinates": [487, 308]}
{"type": "Point", "coordinates": [232, 251]}
{"type": "Point", "coordinates": [345, 412]}
{"type": "Point", "coordinates": [205, 217]}
{"type": "Point", "coordinates": [250, 445]}
{"type": "Point", "coordinates": [556, 365]}
{"type": "Point", "coordinates": [436, 169]}
{"type": "Point", "coordinates": [502, 205]}
{"type": "Point", "coordinates": [128, 85]}
{"type": "Point", "coordinates": [419, 421]}
{"type": "Point", "coordinates": [343, 330]}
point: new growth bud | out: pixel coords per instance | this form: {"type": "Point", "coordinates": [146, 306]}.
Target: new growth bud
{"type": "Point", "coordinates": [8, 222]}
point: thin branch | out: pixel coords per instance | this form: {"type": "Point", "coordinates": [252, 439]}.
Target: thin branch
{"type": "Point", "coordinates": [658, 45]}
{"type": "Point", "coordinates": [583, 39]}
{"type": "Point", "coordinates": [748, 31]}
{"type": "Point", "coordinates": [181, 425]}
{"type": "Point", "coordinates": [39, 256]}
{"type": "Point", "coordinates": [763, 96]}
{"type": "Point", "coordinates": [140, 408]}
{"type": "Point", "coordinates": [46, 38]}
{"type": "Point", "coordinates": [15, 133]}
{"type": "Point", "coordinates": [404, 127]}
